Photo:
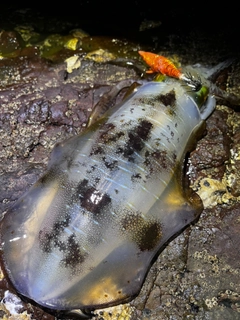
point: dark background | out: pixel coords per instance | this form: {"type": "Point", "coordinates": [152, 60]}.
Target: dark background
{"type": "Point", "coordinates": [123, 19]}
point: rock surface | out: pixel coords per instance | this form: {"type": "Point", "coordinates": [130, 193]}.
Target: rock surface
{"type": "Point", "coordinates": [197, 274]}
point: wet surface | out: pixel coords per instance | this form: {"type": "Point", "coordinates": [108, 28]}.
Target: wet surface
{"type": "Point", "coordinates": [197, 275]}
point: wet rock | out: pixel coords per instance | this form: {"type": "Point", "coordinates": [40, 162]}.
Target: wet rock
{"type": "Point", "coordinates": [10, 43]}
{"type": "Point", "coordinates": [213, 150]}
{"type": "Point", "coordinates": [197, 275]}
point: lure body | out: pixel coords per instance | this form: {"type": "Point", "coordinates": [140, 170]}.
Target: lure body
{"type": "Point", "coordinates": [85, 234]}
{"type": "Point", "coordinates": [160, 64]}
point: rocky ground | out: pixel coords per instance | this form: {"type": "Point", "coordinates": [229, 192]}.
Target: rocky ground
{"type": "Point", "coordinates": [49, 85]}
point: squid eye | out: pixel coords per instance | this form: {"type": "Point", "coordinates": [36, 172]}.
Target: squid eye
{"type": "Point", "coordinates": [199, 96]}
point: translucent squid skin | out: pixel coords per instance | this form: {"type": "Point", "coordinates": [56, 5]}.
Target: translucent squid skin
{"type": "Point", "coordinates": [85, 234]}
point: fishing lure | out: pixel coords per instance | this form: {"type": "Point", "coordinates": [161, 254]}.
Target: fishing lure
{"type": "Point", "coordinates": [161, 64]}
{"type": "Point", "coordinates": [85, 234]}
{"type": "Point", "coordinates": [166, 67]}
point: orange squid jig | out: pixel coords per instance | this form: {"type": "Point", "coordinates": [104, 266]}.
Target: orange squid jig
{"type": "Point", "coordinates": [161, 64]}
{"type": "Point", "coordinates": [166, 67]}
